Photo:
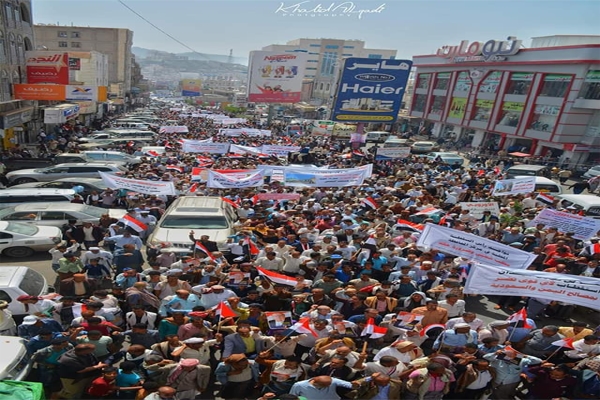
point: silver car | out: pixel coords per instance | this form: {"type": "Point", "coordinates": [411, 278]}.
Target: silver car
{"type": "Point", "coordinates": [56, 214]}
{"type": "Point", "coordinates": [78, 170]}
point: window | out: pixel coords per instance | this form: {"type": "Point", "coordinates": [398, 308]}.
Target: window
{"type": "Point", "coordinates": [591, 86]}
{"type": "Point", "coordinates": [520, 82]}
{"type": "Point", "coordinates": [321, 86]}
{"type": "Point", "coordinates": [13, 47]}
{"type": "Point", "coordinates": [442, 81]}
{"type": "Point", "coordinates": [2, 49]}
{"type": "Point", "coordinates": [314, 45]}
{"type": "Point", "coordinates": [5, 86]}
{"type": "Point", "coordinates": [332, 46]}
{"type": "Point", "coordinates": [25, 15]}
{"type": "Point", "coordinates": [555, 85]}
{"type": "Point", "coordinates": [463, 83]}
{"type": "Point", "coordinates": [423, 81]}
{"type": "Point", "coordinates": [328, 86]}
{"type": "Point", "coordinates": [20, 50]}
{"type": "Point", "coordinates": [21, 216]}
{"type": "Point", "coordinates": [63, 44]}
{"type": "Point", "coordinates": [420, 102]}
{"type": "Point", "coordinates": [483, 110]}
{"type": "Point", "coordinates": [17, 14]}
{"type": "Point", "coordinates": [438, 105]}
{"type": "Point", "coordinates": [375, 56]}
{"type": "Point", "coordinates": [62, 34]}
{"type": "Point", "coordinates": [511, 113]}
{"type": "Point", "coordinates": [53, 216]}
{"type": "Point", "coordinates": [544, 118]}
{"type": "Point", "coordinates": [491, 82]}
{"type": "Point", "coordinates": [76, 44]}
{"type": "Point", "coordinates": [311, 68]}
{"type": "Point", "coordinates": [348, 47]}
{"type": "Point", "coordinates": [328, 63]}
{"type": "Point", "coordinates": [74, 35]}
{"type": "Point", "coordinates": [312, 61]}
{"type": "Point", "coordinates": [33, 283]}
{"type": "Point", "coordinates": [9, 14]}
{"type": "Point", "coordinates": [5, 297]}
{"type": "Point", "coordinates": [4, 235]}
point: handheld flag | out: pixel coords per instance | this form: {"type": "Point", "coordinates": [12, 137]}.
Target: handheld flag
{"type": "Point", "coordinates": [174, 168]}
{"type": "Point", "coordinates": [404, 222]}
{"type": "Point", "coordinates": [152, 153]}
{"type": "Point", "coordinates": [133, 223]}
{"type": "Point", "coordinates": [373, 330]}
{"type": "Point", "coordinates": [276, 277]}
{"type": "Point", "coordinates": [194, 187]}
{"type": "Point", "coordinates": [230, 202]}
{"type": "Point", "coordinates": [520, 315]}
{"type": "Point", "coordinates": [225, 311]}
{"type": "Point", "coordinates": [566, 342]}
{"type": "Point", "coordinates": [545, 198]}
{"type": "Point", "coordinates": [593, 249]}
{"type": "Point", "coordinates": [202, 248]}
{"type": "Point", "coordinates": [426, 329]}
{"type": "Point", "coordinates": [251, 246]}
{"type": "Point", "coordinates": [303, 326]}
{"type": "Point", "coordinates": [370, 202]}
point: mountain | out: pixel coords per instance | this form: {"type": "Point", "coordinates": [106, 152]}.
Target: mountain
{"type": "Point", "coordinates": [142, 53]}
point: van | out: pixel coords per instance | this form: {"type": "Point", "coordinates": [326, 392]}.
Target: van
{"type": "Point", "coordinates": [527, 170]}
{"type": "Point", "coordinates": [15, 196]}
{"type": "Point", "coordinates": [19, 281]}
{"type": "Point", "coordinates": [16, 363]}
{"type": "Point", "coordinates": [544, 185]}
{"type": "Point", "coordinates": [588, 203]}
{"type": "Point", "coordinates": [205, 215]}
{"type": "Point", "coordinates": [377, 136]}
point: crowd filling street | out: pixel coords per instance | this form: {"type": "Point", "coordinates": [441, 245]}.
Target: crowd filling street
{"type": "Point", "coordinates": [317, 293]}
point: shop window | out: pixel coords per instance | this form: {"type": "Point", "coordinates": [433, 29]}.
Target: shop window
{"type": "Point", "coordinates": [590, 89]}
{"type": "Point", "coordinates": [423, 81]}
{"type": "Point", "coordinates": [491, 83]}
{"type": "Point", "coordinates": [544, 118]}
{"type": "Point", "coordinates": [511, 113]}
{"type": "Point", "coordinates": [520, 82]}
{"type": "Point", "coordinates": [62, 34]}
{"type": "Point", "coordinates": [420, 102]}
{"type": "Point", "coordinates": [483, 110]}
{"type": "Point", "coordinates": [555, 85]}
{"type": "Point", "coordinates": [463, 83]}
{"type": "Point", "coordinates": [63, 44]}
{"type": "Point", "coordinates": [442, 81]}
{"type": "Point", "coordinates": [438, 105]}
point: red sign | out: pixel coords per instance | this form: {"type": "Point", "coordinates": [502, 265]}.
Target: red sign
{"type": "Point", "coordinates": [47, 67]}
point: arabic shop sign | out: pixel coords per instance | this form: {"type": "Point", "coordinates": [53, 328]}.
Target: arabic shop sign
{"type": "Point", "coordinates": [492, 50]}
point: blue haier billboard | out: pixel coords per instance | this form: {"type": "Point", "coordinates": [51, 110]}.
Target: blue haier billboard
{"type": "Point", "coordinates": [370, 90]}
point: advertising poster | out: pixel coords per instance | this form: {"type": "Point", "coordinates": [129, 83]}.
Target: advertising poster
{"type": "Point", "coordinates": [47, 67]}
{"type": "Point", "coordinates": [23, 91]}
{"type": "Point", "coordinates": [463, 83]}
{"type": "Point", "coordinates": [370, 90]}
{"type": "Point", "coordinates": [191, 87]}
{"type": "Point", "coordinates": [81, 93]}
{"type": "Point", "coordinates": [491, 83]}
{"type": "Point", "coordinates": [458, 107]}
{"type": "Point", "coordinates": [276, 77]}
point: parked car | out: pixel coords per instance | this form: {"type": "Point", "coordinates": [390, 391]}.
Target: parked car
{"type": "Point", "coordinates": [56, 214]}
{"type": "Point", "coordinates": [22, 240]}
{"type": "Point", "coordinates": [16, 281]}
{"type": "Point", "coordinates": [15, 164]}
{"type": "Point", "coordinates": [592, 172]}
{"type": "Point", "coordinates": [424, 147]}
{"type": "Point", "coordinates": [447, 158]}
{"type": "Point", "coordinates": [81, 170]}
{"type": "Point", "coordinates": [89, 185]}
{"type": "Point", "coordinates": [14, 196]}
{"type": "Point", "coordinates": [95, 137]}
{"type": "Point", "coordinates": [111, 156]}
{"type": "Point", "coordinates": [115, 144]}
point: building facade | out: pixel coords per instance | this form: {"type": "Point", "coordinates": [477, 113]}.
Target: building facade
{"type": "Point", "coordinates": [116, 43]}
{"type": "Point", "coordinates": [325, 59]}
{"type": "Point", "coordinates": [497, 95]}
{"type": "Point", "coordinates": [16, 37]}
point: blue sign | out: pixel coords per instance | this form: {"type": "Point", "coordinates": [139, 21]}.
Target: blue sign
{"type": "Point", "coordinates": [371, 90]}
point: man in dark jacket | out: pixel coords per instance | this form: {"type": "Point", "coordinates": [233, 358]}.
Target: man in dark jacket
{"type": "Point", "coordinates": [78, 367]}
{"type": "Point", "coordinates": [79, 286]}
{"type": "Point", "coordinates": [88, 234]}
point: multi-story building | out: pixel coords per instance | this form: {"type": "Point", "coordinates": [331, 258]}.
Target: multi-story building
{"type": "Point", "coordinates": [116, 43]}
{"type": "Point", "coordinates": [325, 59]}
{"type": "Point", "coordinates": [16, 37]}
{"type": "Point", "coordinates": [543, 100]}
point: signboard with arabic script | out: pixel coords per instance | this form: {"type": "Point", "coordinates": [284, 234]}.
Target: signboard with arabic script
{"type": "Point", "coordinates": [47, 67]}
{"type": "Point", "coordinates": [473, 248]}
{"type": "Point", "coordinates": [571, 289]}
{"type": "Point", "coordinates": [582, 227]}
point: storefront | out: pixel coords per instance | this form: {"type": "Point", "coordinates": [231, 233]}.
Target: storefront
{"type": "Point", "coordinates": [61, 114]}
{"type": "Point", "coordinates": [87, 112]}
{"type": "Point", "coordinates": [541, 99]}
{"type": "Point", "coordinates": [13, 127]}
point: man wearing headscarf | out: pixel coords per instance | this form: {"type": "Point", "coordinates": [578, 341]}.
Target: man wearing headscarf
{"type": "Point", "coordinates": [189, 378]}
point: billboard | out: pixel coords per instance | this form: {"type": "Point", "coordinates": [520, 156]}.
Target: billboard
{"type": "Point", "coordinates": [47, 67]}
{"type": "Point", "coordinates": [190, 87]}
{"type": "Point", "coordinates": [39, 92]}
{"type": "Point", "coordinates": [81, 93]}
{"type": "Point", "coordinates": [370, 90]}
{"type": "Point", "coordinates": [276, 77]}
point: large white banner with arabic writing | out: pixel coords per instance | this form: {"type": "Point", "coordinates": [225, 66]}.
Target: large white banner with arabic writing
{"type": "Point", "coordinates": [197, 146]}
{"type": "Point", "coordinates": [225, 181]}
{"type": "Point", "coordinates": [138, 186]}
{"type": "Point", "coordinates": [582, 227]}
{"type": "Point", "coordinates": [477, 209]}
{"type": "Point", "coordinates": [474, 248]}
{"type": "Point", "coordinates": [571, 289]}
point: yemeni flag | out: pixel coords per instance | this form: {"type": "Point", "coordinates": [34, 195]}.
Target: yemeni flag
{"type": "Point", "coordinates": [254, 250]}
{"type": "Point", "coordinates": [254, 199]}
{"type": "Point", "coordinates": [428, 328]}
{"type": "Point", "coordinates": [230, 202]}
{"type": "Point", "coordinates": [130, 143]}
{"type": "Point", "coordinates": [133, 223]}
{"type": "Point", "coordinates": [348, 155]}
{"type": "Point", "coordinates": [358, 153]}
{"type": "Point", "coordinates": [174, 168]}
{"type": "Point", "coordinates": [224, 311]}
{"type": "Point", "coordinates": [520, 315]}
{"type": "Point", "coordinates": [152, 153]}
{"type": "Point", "coordinates": [202, 248]}
{"type": "Point", "coordinates": [276, 277]}
{"type": "Point", "coordinates": [303, 326]}
{"type": "Point", "coordinates": [545, 198]}
{"type": "Point", "coordinates": [593, 249]}
{"type": "Point", "coordinates": [370, 202]}
{"type": "Point", "coordinates": [404, 222]}
{"type": "Point", "coordinates": [427, 211]}
{"type": "Point", "coordinates": [373, 330]}
{"type": "Point", "coordinates": [566, 342]}
{"type": "Point", "coordinates": [194, 187]}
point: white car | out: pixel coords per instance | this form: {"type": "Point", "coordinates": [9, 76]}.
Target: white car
{"type": "Point", "coordinates": [22, 240]}
{"type": "Point", "coordinates": [423, 147]}
{"type": "Point", "coordinates": [56, 214]}
{"type": "Point", "coordinates": [592, 172]}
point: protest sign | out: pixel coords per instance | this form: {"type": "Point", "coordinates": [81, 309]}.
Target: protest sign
{"type": "Point", "coordinates": [392, 153]}
{"type": "Point", "coordinates": [237, 149]}
{"type": "Point", "coordinates": [226, 181]}
{"type": "Point", "coordinates": [173, 129]}
{"type": "Point", "coordinates": [582, 227]}
{"type": "Point", "coordinates": [238, 277]}
{"type": "Point", "coordinates": [201, 174]}
{"type": "Point", "coordinates": [279, 319]}
{"type": "Point", "coordinates": [406, 320]}
{"type": "Point", "coordinates": [506, 187]}
{"type": "Point", "coordinates": [278, 196]}
{"type": "Point", "coordinates": [476, 209]}
{"type": "Point", "coordinates": [197, 146]}
{"type": "Point", "coordinates": [323, 178]}
{"type": "Point", "coordinates": [503, 281]}
{"type": "Point", "coordinates": [474, 248]}
{"type": "Point", "coordinates": [138, 186]}
{"type": "Point", "coordinates": [280, 151]}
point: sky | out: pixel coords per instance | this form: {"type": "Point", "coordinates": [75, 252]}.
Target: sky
{"type": "Point", "coordinates": [411, 27]}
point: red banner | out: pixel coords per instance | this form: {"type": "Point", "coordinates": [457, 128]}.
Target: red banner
{"type": "Point", "coordinates": [47, 67]}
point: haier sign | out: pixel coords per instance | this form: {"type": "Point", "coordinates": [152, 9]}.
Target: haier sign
{"type": "Point", "coordinates": [371, 90]}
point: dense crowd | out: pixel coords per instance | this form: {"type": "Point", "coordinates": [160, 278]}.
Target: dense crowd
{"type": "Point", "coordinates": [325, 297]}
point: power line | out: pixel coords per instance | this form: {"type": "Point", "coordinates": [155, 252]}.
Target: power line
{"type": "Point", "coordinates": [163, 32]}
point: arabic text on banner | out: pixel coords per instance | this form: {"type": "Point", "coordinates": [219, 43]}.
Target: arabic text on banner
{"type": "Point", "coordinates": [201, 174]}
{"type": "Point", "coordinates": [477, 209]}
{"type": "Point", "coordinates": [278, 196]}
{"type": "Point", "coordinates": [268, 169]}
{"type": "Point", "coordinates": [237, 149]}
{"type": "Point", "coordinates": [474, 248]}
{"type": "Point", "coordinates": [225, 181]}
{"type": "Point", "coordinates": [279, 150]}
{"type": "Point", "coordinates": [506, 187]}
{"type": "Point", "coordinates": [321, 178]}
{"type": "Point", "coordinates": [173, 129]}
{"type": "Point", "coordinates": [211, 148]}
{"type": "Point", "coordinates": [571, 289]}
{"type": "Point", "coordinates": [582, 227]}
{"type": "Point", "coordinates": [244, 131]}
{"type": "Point", "coordinates": [392, 153]}
{"type": "Point", "coordinates": [138, 186]}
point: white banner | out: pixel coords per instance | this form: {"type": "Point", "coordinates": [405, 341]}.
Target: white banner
{"type": "Point", "coordinates": [201, 174]}
{"type": "Point", "coordinates": [502, 281]}
{"type": "Point", "coordinates": [507, 187]}
{"type": "Point", "coordinates": [474, 248]}
{"type": "Point", "coordinates": [582, 227]}
{"type": "Point", "coordinates": [237, 149]}
{"type": "Point", "coordinates": [477, 209]}
{"type": "Point", "coordinates": [173, 129]}
{"type": "Point", "coordinates": [244, 131]}
{"type": "Point", "coordinates": [393, 153]}
{"type": "Point", "coordinates": [194, 146]}
{"type": "Point", "coordinates": [272, 149]}
{"type": "Point", "coordinates": [227, 181]}
{"type": "Point", "coordinates": [268, 169]}
{"type": "Point", "coordinates": [138, 186]}
{"type": "Point", "coordinates": [322, 178]}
